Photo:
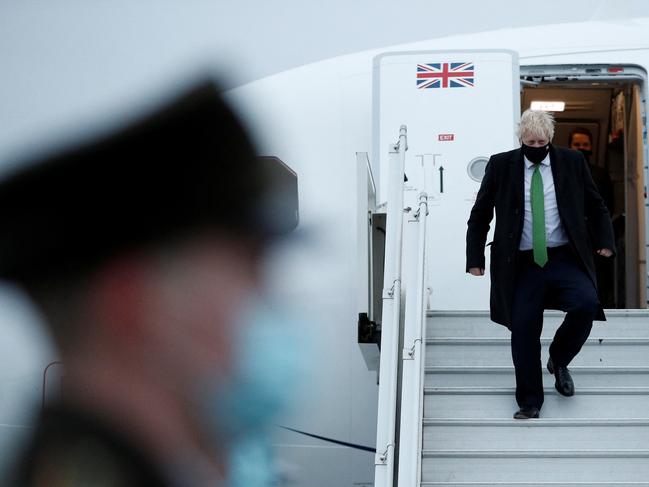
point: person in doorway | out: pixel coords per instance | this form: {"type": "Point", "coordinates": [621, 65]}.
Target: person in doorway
{"type": "Point", "coordinates": [144, 251]}
{"type": "Point", "coordinates": [581, 139]}
{"type": "Point", "coordinates": [540, 255]}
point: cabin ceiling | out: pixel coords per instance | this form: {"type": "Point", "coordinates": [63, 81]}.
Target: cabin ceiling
{"type": "Point", "coordinates": [583, 103]}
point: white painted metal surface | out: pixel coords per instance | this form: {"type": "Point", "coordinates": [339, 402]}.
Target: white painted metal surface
{"type": "Point", "coordinates": [598, 437]}
{"type": "Point", "coordinates": [387, 403]}
{"type": "Point", "coordinates": [413, 360]}
{"type": "Point", "coordinates": [447, 129]}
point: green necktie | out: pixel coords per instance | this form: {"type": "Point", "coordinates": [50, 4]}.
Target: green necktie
{"type": "Point", "coordinates": [538, 219]}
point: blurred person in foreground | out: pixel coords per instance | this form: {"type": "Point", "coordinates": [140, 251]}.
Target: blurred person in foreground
{"type": "Point", "coordinates": [541, 256]}
{"type": "Point", "coordinates": [144, 251]}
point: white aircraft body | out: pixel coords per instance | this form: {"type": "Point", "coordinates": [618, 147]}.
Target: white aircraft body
{"type": "Point", "coordinates": [332, 122]}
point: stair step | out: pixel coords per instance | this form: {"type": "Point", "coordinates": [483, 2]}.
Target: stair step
{"type": "Point", "coordinates": [642, 390]}
{"type": "Point", "coordinates": [479, 342]}
{"type": "Point", "coordinates": [599, 437]}
{"type": "Point", "coordinates": [555, 466]}
{"type": "Point", "coordinates": [611, 314]}
{"type": "Point", "coordinates": [497, 351]}
{"type": "Point", "coordinates": [621, 323]}
{"type": "Point", "coordinates": [499, 403]}
{"type": "Point", "coordinates": [538, 422]}
{"type": "Point", "coordinates": [577, 434]}
{"type": "Point", "coordinates": [503, 376]}
{"type": "Point", "coordinates": [553, 453]}
{"type": "Point", "coordinates": [535, 484]}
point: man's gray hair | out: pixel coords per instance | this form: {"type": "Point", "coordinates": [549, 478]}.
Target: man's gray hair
{"type": "Point", "coordinates": [536, 123]}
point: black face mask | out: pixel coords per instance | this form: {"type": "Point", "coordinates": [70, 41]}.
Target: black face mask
{"type": "Point", "coordinates": [536, 154]}
{"type": "Point", "coordinates": [587, 153]}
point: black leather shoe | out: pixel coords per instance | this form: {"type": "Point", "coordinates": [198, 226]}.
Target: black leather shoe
{"type": "Point", "coordinates": [563, 383]}
{"type": "Point", "coordinates": [527, 412]}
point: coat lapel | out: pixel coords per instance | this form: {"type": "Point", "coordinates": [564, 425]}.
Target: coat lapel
{"type": "Point", "coordinates": [517, 177]}
{"type": "Point", "coordinates": [558, 174]}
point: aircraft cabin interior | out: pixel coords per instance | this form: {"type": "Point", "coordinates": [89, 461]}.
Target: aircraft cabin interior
{"type": "Point", "coordinates": [602, 107]}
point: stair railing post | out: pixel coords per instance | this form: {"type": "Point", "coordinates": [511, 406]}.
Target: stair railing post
{"type": "Point", "coordinates": [388, 373]}
{"type": "Point", "coordinates": [413, 356]}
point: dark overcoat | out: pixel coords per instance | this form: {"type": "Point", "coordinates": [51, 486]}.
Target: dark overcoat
{"type": "Point", "coordinates": [582, 211]}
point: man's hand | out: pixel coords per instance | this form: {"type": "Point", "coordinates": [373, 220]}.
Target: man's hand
{"type": "Point", "coordinates": [478, 271]}
{"type": "Point", "coordinates": [605, 252]}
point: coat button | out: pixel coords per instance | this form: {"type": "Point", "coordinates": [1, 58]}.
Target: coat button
{"type": "Point", "coordinates": [511, 235]}
{"type": "Point", "coordinates": [516, 211]}
{"type": "Point", "coordinates": [509, 259]}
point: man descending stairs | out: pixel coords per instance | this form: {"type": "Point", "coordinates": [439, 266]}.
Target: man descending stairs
{"type": "Point", "coordinates": [598, 437]}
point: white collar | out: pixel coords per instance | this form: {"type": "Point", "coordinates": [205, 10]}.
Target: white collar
{"type": "Point", "coordinates": [545, 162]}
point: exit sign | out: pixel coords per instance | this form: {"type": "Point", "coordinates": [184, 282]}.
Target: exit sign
{"type": "Point", "coordinates": [445, 137]}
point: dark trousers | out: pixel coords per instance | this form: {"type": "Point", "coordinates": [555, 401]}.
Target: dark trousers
{"type": "Point", "coordinates": [566, 285]}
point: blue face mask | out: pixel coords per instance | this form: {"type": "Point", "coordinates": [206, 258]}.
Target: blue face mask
{"type": "Point", "coordinates": [269, 358]}
{"type": "Point", "coordinates": [251, 463]}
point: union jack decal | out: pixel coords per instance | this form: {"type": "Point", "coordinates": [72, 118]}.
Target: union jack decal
{"type": "Point", "coordinates": [445, 75]}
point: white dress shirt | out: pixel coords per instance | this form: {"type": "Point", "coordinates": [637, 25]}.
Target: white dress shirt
{"type": "Point", "coordinates": [555, 234]}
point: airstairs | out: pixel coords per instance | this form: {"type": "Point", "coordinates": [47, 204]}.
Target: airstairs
{"type": "Point", "coordinates": [599, 437]}
{"type": "Point", "coordinates": [446, 386]}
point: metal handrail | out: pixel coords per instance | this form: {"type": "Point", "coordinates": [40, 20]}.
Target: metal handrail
{"type": "Point", "coordinates": [413, 358]}
{"type": "Point", "coordinates": [370, 175]}
{"type": "Point", "coordinates": [366, 201]}
{"type": "Point", "coordinates": [45, 371]}
{"type": "Point", "coordinates": [388, 373]}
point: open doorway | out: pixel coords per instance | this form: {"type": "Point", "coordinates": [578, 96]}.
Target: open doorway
{"type": "Point", "coordinates": [604, 108]}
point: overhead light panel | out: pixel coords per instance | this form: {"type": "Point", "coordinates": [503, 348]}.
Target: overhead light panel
{"type": "Point", "coordinates": [549, 106]}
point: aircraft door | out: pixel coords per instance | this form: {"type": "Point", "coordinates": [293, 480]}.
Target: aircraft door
{"type": "Point", "coordinates": [460, 107]}
{"type": "Point", "coordinates": [636, 284]}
